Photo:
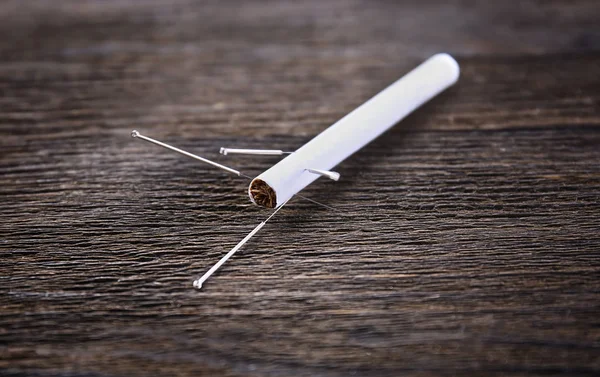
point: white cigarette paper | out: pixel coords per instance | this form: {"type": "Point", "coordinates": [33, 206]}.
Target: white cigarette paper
{"type": "Point", "coordinates": [332, 146]}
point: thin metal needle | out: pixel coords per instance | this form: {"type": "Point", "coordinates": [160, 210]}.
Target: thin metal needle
{"type": "Point", "coordinates": [333, 175]}
{"type": "Point", "coordinates": [318, 203]}
{"type": "Point", "coordinates": [198, 283]}
{"type": "Point", "coordinates": [136, 134]}
{"type": "Point", "coordinates": [258, 152]}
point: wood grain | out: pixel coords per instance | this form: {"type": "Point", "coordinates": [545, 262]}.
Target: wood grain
{"type": "Point", "coordinates": [465, 241]}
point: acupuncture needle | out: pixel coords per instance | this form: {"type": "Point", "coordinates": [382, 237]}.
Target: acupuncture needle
{"type": "Point", "coordinates": [198, 283]}
{"type": "Point", "coordinates": [135, 134]}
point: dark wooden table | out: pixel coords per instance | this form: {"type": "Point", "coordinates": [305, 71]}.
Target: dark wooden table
{"type": "Point", "coordinates": [466, 241]}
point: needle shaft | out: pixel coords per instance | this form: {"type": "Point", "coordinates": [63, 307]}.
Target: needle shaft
{"type": "Point", "coordinates": [136, 134]}
{"type": "Point", "coordinates": [198, 283]}
{"type": "Point", "coordinates": [263, 152]}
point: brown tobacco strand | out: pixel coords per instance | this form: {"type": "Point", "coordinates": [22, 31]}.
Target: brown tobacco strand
{"type": "Point", "coordinates": [263, 194]}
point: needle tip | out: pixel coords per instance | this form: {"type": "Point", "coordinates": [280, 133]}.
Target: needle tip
{"type": "Point", "coordinates": [134, 133]}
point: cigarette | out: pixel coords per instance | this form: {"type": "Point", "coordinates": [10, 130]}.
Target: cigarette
{"type": "Point", "coordinates": [348, 135]}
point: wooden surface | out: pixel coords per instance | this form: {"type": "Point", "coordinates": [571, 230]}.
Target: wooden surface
{"type": "Point", "coordinates": [466, 241]}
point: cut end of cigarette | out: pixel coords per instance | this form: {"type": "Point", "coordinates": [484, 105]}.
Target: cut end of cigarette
{"type": "Point", "coordinates": [262, 194]}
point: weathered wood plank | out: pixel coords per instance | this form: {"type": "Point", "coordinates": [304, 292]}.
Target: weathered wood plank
{"type": "Point", "coordinates": [466, 241]}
